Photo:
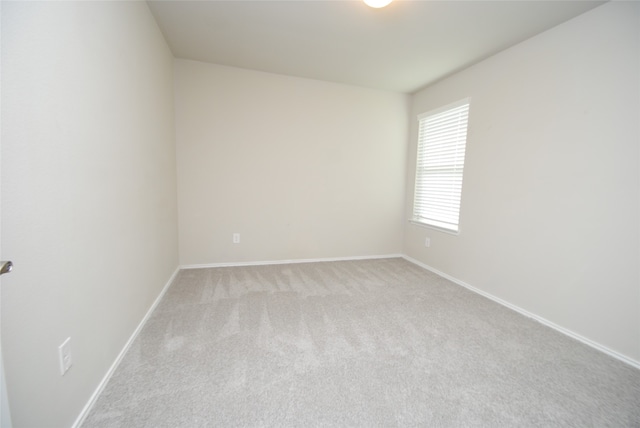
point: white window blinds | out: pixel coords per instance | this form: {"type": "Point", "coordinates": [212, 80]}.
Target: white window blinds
{"type": "Point", "coordinates": [442, 140]}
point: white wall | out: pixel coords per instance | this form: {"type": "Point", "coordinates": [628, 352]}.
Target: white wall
{"type": "Point", "coordinates": [88, 193]}
{"type": "Point", "coordinates": [300, 168]}
{"type": "Point", "coordinates": [550, 214]}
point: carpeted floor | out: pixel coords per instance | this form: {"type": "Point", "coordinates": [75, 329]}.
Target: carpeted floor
{"type": "Point", "coordinates": [373, 343]}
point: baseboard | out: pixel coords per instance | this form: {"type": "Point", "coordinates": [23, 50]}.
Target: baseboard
{"type": "Point", "coordinates": [285, 262]}
{"type": "Point", "coordinates": [87, 408]}
{"type": "Point", "coordinates": [528, 314]}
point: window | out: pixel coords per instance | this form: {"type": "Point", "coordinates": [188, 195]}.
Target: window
{"type": "Point", "coordinates": [442, 139]}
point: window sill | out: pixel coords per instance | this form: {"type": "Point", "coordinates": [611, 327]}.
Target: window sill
{"type": "Point", "coordinates": [434, 227]}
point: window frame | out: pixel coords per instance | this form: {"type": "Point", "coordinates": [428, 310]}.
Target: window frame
{"type": "Point", "coordinates": [416, 218]}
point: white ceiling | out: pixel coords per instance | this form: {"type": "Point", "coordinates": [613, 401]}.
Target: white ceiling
{"type": "Point", "coordinates": [403, 47]}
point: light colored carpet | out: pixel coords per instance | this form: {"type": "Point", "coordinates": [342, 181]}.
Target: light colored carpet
{"type": "Point", "coordinates": [357, 343]}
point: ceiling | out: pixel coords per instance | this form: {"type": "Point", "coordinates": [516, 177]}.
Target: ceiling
{"type": "Point", "coordinates": [403, 47]}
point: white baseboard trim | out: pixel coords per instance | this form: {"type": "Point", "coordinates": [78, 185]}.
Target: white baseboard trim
{"type": "Point", "coordinates": [528, 314]}
{"type": "Point", "coordinates": [87, 408]}
{"type": "Point", "coordinates": [286, 262]}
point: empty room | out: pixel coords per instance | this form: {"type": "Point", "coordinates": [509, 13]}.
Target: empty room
{"type": "Point", "coordinates": [320, 213]}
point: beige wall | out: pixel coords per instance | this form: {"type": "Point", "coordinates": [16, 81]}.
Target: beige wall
{"type": "Point", "coordinates": [550, 219]}
{"type": "Point", "coordinates": [300, 168]}
{"type": "Point", "coordinates": [88, 193]}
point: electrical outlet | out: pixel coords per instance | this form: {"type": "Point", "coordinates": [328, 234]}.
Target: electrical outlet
{"type": "Point", "coordinates": [64, 352]}
{"type": "Point", "coordinates": [427, 242]}
{"type": "Point", "coordinates": [236, 238]}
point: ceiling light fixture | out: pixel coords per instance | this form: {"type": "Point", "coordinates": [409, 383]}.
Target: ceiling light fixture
{"type": "Point", "coordinates": [377, 3]}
